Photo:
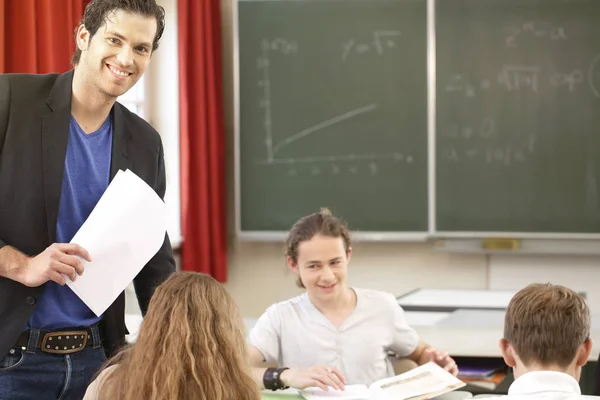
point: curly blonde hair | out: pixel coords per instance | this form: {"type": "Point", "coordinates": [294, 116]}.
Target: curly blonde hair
{"type": "Point", "coordinates": [191, 345]}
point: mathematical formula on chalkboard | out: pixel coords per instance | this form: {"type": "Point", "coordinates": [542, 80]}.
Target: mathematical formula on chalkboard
{"type": "Point", "coordinates": [529, 63]}
{"type": "Point", "coordinates": [530, 77]}
{"type": "Point", "coordinates": [376, 44]}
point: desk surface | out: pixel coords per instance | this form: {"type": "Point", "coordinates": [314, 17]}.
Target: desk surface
{"type": "Point", "coordinates": [452, 299]}
{"type": "Point", "coordinates": [466, 323]}
{"type": "Point", "coordinates": [273, 396]}
{"type": "Point", "coordinates": [475, 333]}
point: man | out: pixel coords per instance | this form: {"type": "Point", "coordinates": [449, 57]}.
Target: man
{"type": "Point", "coordinates": [62, 139]}
{"type": "Point", "coordinates": [546, 342]}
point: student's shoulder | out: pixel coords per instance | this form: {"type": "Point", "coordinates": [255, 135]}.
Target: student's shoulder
{"type": "Point", "coordinates": [93, 390]}
{"type": "Point", "coordinates": [287, 307]}
{"type": "Point", "coordinates": [105, 373]}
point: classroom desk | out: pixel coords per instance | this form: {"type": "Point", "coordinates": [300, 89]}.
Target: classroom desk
{"type": "Point", "coordinates": [466, 322]}
{"type": "Point", "coordinates": [476, 341]}
{"type": "Point", "coordinates": [273, 396]}
{"type": "Point", "coordinates": [448, 300]}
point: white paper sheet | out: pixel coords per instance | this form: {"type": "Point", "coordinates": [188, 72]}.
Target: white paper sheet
{"type": "Point", "coordinates": [124, 231]}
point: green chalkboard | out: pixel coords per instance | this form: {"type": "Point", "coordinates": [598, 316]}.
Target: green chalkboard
{"type": "Point", "coordinates": [333, 113]}
{"type": "Point", "coordinates": [518, 116]}
{"type": "Point", "coordinates": [334, 106]}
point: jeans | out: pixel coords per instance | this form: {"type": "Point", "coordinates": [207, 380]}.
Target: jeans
{"type": "Point", "coordinates": [31, 374]}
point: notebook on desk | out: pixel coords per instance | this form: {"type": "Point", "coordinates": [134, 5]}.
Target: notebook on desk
{"type": "Point", "coordinates": [487, 373]}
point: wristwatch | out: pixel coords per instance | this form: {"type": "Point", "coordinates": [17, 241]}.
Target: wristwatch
{"type": "Point", "coordinates": [272, 379]}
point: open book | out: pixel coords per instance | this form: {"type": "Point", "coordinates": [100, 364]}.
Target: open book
{"type": "Point", "coordinates": [424, 382]}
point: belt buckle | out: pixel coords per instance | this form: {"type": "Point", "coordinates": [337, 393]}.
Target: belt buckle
{"type": "Point", "coordinates": [65, 342]}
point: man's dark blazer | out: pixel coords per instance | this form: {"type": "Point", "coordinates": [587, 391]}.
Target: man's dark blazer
{"type": "Point", "coordinates": [596, 389]}
{"type": "Point", "coordinates": [35, 112]}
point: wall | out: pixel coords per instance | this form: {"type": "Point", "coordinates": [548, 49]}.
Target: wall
{"type": "Point", "coordinates": [581, 273]}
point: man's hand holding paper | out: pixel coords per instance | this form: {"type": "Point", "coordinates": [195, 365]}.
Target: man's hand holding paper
{"type": "Point", "coordinates": [124, 231]}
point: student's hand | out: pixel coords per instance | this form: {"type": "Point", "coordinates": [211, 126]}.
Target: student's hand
{"type": "Point", "coordinates": [321, 376]}
{"type": "Point", "coordinates": [57, 260]}
{"type": "Point", "coordinates": [440, 358]}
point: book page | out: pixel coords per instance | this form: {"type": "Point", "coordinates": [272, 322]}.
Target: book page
{"type": "Point", "coordinates": [426, 379]}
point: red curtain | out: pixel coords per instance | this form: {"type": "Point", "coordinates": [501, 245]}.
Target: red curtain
{"type": "Point", "coordinates": [36, 36]}
{"type": "Point", "coordinates": [202, 139]}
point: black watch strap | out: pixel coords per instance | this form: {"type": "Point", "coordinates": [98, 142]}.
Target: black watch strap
{"type": "Point", "coordinates": [272, 379]}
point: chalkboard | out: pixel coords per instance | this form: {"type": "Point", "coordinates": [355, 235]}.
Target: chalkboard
{"type": "Point", "coordinates": [333, 113]}
{"type": "Point", "coordinates": [347, 103]}
{"type": "Point", "coordinates": [518, 116]}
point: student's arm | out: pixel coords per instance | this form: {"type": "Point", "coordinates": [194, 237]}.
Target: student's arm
{"type": "Point", "coordinates": [264, 346]}
{"type": "Point", "coordinates": [321, 376]}
{"type": "Point", "coordinates": [406, 342]}
{"type": "Point", "coordinates": [425, 353]}
{"type": "Point", "coordinates": [256, 359]}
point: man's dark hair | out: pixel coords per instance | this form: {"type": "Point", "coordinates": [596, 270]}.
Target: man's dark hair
{"type": "Point", "coordinates": [97, 12]}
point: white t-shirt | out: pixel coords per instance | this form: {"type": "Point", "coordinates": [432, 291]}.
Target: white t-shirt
{"type": "Point", "coordinates": [297, 335]}
{"type": "Point", "coordinates": [544, 385]}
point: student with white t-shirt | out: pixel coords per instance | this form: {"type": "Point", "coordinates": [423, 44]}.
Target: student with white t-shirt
{"type": "Point", "coordinates": [333, 334]}
{"type": "Point", "coordinates": [546, 342]}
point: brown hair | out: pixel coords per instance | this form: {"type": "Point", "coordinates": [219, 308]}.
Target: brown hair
{"type": "Point", "coordinates": [97, 11]}
{"type": "Point", "coordinates": [547, 324]}
{"type": "Point", "coordinates": [191, 345]}
{"type": "Point", "coordinates": [321, 223]}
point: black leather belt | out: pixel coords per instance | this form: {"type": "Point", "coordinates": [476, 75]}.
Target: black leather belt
{"type": "Point", "coordinates": [59, 342]}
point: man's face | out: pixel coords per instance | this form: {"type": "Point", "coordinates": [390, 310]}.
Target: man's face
{"type": "Point", "coordinates": [116, 57]}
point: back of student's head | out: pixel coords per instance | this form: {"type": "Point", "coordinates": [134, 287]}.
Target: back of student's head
{"type": "Point", "coordinates": [547, 324]}
{"type": "Point", "coordinates": [191, 345]}
{"type": "Point", "coordinates": [322, 223]}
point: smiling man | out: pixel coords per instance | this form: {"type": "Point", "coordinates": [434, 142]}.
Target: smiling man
{"type": "Point", "coordinates": [62, 139]}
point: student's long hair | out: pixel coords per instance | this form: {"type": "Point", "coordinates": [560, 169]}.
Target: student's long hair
{"type": "Point", "coordinates": [191, 345]}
